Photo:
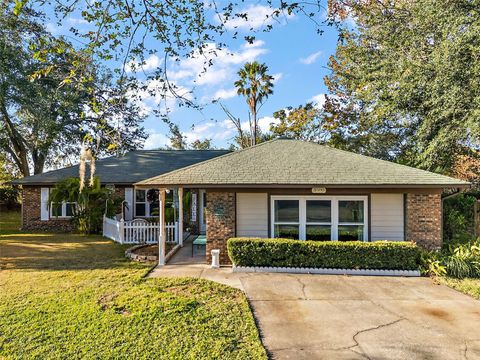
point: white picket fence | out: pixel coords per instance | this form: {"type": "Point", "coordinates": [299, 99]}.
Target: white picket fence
{"type": "Point", "coordinates": [134, 232]}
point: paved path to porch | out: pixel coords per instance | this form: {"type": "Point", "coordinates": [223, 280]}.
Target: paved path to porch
{"type": "Point", "coordinates": [350, 317]}
{"type": "Point", "coordinates": [182, 264]}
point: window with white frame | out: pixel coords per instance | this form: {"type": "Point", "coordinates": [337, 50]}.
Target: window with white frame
{"type": "Point", "coordinates": [145, 206]}
{"type": "Point", "coordinates": [320, 218]}
{"type": "Point", "coordinates": [287, 218]}
{"type": "Point", "coordinates": [62, 210]}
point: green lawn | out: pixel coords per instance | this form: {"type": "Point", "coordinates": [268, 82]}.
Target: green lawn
{"type": "Point", "coordinates": [468, 286]}
{"type": "Point", "coordinates": [73, 296]}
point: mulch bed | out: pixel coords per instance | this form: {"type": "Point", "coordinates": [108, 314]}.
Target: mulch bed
{"type": "Point", "coordinates": [146, 252]}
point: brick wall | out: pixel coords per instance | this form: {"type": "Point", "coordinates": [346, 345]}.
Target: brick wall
{"type": "Point", "coordinates": [31, 219]}
{"type": "Point", "coordinates": [220, 216]}
{"type": "Point", "coordinates": [31, 213]}
{"type": "Point", "coordinates": [424, 220]}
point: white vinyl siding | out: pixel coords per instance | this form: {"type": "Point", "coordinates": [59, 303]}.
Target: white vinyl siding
{"type": "Point", "coordinates": [387, 221]}
{"type": "Point", "coordinates": [252, 215]}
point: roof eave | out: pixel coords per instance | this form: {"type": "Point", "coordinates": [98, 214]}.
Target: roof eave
{"type": "Point", "coordinates": [141, 185]}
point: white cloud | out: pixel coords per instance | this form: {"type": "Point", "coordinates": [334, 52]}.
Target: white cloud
{"type": "Point", "coordinates": [254, 44]}
{"type": "Point", "coordinates": [318, 99]}
{"type": "Point", "coordinates": [156, 140]}
{"type": "Point", "coordinates": [224, 63]}
{"type": "Point", "coordinates": [265, 122]}
{"type": "Point", "coordinates": [215, 130]}
{"type": "Point", "coordinates": [225, 94]}
{"type": "Point", "coordinates": [151, 63]}
{"type": "Point", "coordinates": [277, 77]}
{"type": "Point", "coordinates": [310, 59]}
{"type": "Point", "coordinates": [224, 130]}
{"type": "Point", "coordinates": [257, 16]}
{"type": "Point", "coordinates": [77, 21]}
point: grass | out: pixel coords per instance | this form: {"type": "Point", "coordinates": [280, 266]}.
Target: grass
{"type": "Point", "coordinates": [77, 297]}
{"type": "Point", "coordinates": [467, 286]}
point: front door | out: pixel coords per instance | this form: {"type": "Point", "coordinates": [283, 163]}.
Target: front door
{"type": "Point", "coordinates": [203, 205]}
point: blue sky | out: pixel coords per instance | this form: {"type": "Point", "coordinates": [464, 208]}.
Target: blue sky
{"type": "Point", "coordinates": [295, 54]}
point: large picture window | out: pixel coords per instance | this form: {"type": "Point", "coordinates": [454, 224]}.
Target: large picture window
{"type": "Point", "coordinates": [320, 218]}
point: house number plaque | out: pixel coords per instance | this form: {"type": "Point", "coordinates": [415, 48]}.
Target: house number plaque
{"type": "Point", "coordinates": [319, 190]}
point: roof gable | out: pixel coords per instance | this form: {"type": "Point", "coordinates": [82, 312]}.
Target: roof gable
{"type": "Point", "coordinates": [297, 163]}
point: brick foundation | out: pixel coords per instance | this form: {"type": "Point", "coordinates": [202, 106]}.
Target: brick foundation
{"type": "Point", "coordinates": [220, 216]}
{"type": "Point", "coordinates": [424, 220]}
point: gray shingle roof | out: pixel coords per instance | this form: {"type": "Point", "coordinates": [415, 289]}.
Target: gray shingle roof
{"type": "Point", "coordinates": [132, 167]}
{"type": "Point", "coordinates": [296, 163]}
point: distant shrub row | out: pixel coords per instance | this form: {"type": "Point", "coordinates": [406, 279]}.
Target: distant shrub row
{"type": "Point", "coordinates": [391, 255]}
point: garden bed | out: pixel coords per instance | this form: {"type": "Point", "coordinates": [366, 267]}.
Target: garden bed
{"type": "Point", "coordinates": [147, 252]}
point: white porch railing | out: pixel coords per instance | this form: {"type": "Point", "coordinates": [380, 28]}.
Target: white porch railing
{"type": "Point", "coordinates": [134, 232]}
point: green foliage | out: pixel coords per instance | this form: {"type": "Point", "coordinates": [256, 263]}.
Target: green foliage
{"type": "Point", "coordinates": [463, 261]}
{"type": "Point", "coordinates": [302, 122]}
{"type": "Point", "coordinates": [78, 297]}
{"type": "Point", "coordinates": [9, 195]}
{"type": "Point", "coordinates": [459, 261]}
{"type": "Point", "coordinates": [431, 265]}
{"type": "Point", "coordinates": [405, 80]}
{"type": "Point", "coordinates": [44, 112]}
{"type": "Point", "coordinates": [458, 219]}
{"type": "Point", "coordinates": [467, 286]}
{"type": "Point", "coordinates": [329, 254]}
{"type": "Point", "coordinates": [90, 204]}
{"type": "Point", "coordinates": [205, 144]}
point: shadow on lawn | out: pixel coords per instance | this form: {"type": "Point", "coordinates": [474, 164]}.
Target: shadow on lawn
{"type": "Point", "coordinates": [59, 252]}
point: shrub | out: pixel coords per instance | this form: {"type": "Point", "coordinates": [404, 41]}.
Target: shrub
{"type": "Point", "coordinates": [459, 219]}
{"type": "Point", "coordinates": [431, 264]}
{"type": "Point", "coordinates": [460, 261]}
{"type": "Point", "coordinates": [329, 254]}
{"type": "Point", "coordinates": [92, 202]}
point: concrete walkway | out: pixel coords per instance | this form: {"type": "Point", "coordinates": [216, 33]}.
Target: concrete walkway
{"type": "Point", "coordinates": [182, 264]}
{"type": "Point", "coordinates": [350, 317]}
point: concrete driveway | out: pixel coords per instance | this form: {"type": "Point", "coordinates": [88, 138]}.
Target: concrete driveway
{"type": "Point", "coordinates": [352, 317]}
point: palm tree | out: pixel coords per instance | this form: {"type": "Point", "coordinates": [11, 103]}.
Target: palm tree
{"type": "Point", "coordinates": [255, 85]}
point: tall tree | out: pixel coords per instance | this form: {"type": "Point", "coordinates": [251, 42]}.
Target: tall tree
{"type": "Point", "coordinates": [45, 114]}
{"type": "Point", "coordinates": [406, 79]}
{"type": "Point", "coordinates": [255, 84]}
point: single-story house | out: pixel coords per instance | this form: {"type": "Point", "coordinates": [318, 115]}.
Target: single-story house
{"type": "Point", "coordinates": [281, 188]}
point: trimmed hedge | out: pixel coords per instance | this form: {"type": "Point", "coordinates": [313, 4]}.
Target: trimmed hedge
{"type": "Point", "coordinates": [388, 255]}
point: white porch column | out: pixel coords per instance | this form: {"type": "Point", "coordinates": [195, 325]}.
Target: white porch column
{"type": "Point", "coordinates": [180, 216]}
{"type": "Point", "coordinates": [162, 232]}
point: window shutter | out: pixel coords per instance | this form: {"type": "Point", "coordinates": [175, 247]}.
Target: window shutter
{"type": "Point", "coordinates": [129, 204]}
{"type": "Point", "coordinates": [44, 215]}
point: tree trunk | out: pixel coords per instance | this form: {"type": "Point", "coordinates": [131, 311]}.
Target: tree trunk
{"type": "Point", "coordinates": [18, 150]}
